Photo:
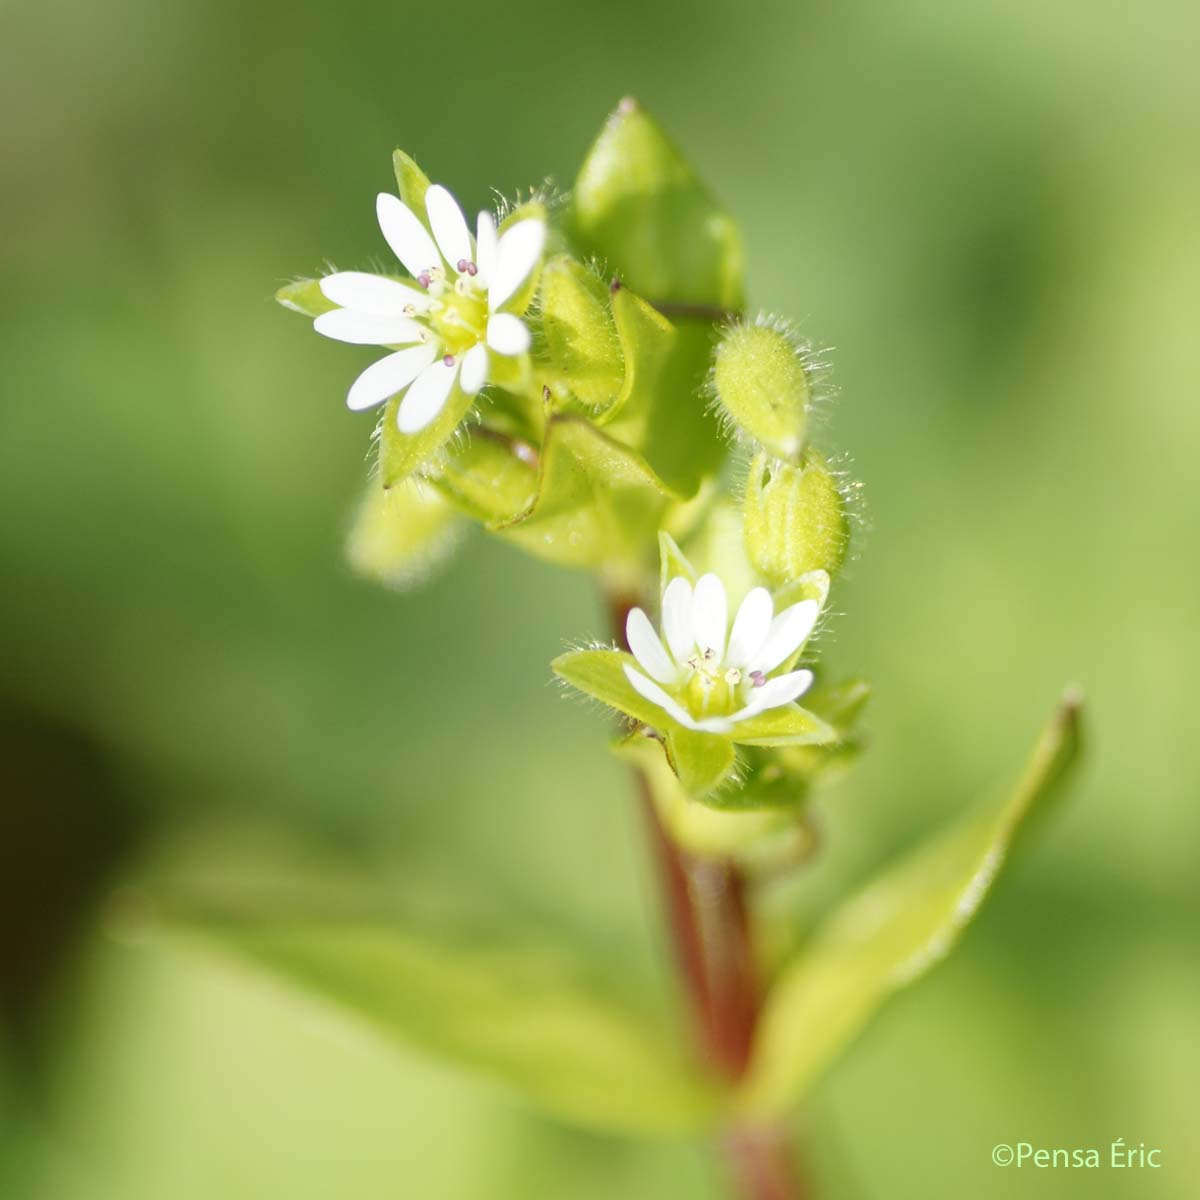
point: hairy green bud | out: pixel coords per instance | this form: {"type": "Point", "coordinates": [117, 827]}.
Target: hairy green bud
{"type": "Point", "coordinates": [794, 518]}
{"type": "Point", "coordinates": [762, 387]}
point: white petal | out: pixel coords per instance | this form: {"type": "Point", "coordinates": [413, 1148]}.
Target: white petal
{"type": "Point", "coordinates": [426, 398]}
{"type": "Point", "coordinates": [750, 627]}
{"type": "Point", "coordinates": [517, 252]}
{"type": "Point", "coordinates": [373, 294]}
{"type": "Point", "coordinates": [783, 689]}
{"type": "Point", "coordinates": [507, 334]}
{"type": "Point", "coordinates": [408, 238]}
{"type": "Point", "coordinates": [383, 379]}
{"type": "Point", "coordinates": [652, 692]}
{"type": "Point", "coordinates": [648, 648]}
{"type": "Point", "coordinates": [709, 615]}
{"type": "Point", "coordinates": [485, 246]}
{"type": "Point", "coordinates": [449, 225]}
{"type": "Point", "coordinates": [788, 633]}
{"type": "Point", "coordinates": [368, 329]}
{"type": "Point", "coordinates": [474, 369]}
{"type": "Point", "coordinates": [677, 618]}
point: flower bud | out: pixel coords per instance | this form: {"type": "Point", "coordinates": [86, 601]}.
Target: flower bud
{"type": "Point", "coordinates": [401, 534]}
{"type": "Point", "coordinates": [762, 387]}
{"type": "Point", "coordinates": [794, 518]}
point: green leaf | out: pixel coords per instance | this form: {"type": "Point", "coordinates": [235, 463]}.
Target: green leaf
{"type": "Point", "coordinates": [400, 454]}
{"type": "Point", "coordinates": [399, 536]}
{"type": "Point", "coordinates": [892, 932]}
{"type": "Point", "coordinates": [598, 503]}
{"type": "Point", "coordinates": [639, 208]}
{"type": "Point", "coordinates": [567, 1037]}
{"type": "Point", "coordinates": [788, 725]}
{"type": "Point", "coordinates": [412, 183]}
{"type": "Point", "coordinates": [581, 332]}
{"type": "Point", "coordinates": [305, 297]}
{"type": "Point", "coordinates": [489, 476]}
{"type": "Point", "coordinates": [701, 761]}
{"type": "Point", "coordinates": [601, 675]}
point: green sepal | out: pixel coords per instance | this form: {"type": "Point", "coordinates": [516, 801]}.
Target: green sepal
{"type": "Point", "coordinates": [412, 183]}
{"type": "Point", "coordinates": [701, 761]}
{"type": "Point", "coordinates": [400, 535]}
{"type": "Point", "coordinates": [305, 297]}
{"type": "Point", "coordinates": [892, 932]}
{"type": "Point", "coordinates": [788, 725]}
{"type": "Point", "coordinates": [647, 340]}
{"type": "Point", "coordinates": [581, 332]}
{"type": "Point", "coordinates": [400, 454]}
{"type": "Point", "coordinates": [639, 208]}
{"type": "Point", "coordinates": [489, 476]}
{"type": "Point", "coordinates": [672, 562]}
{"type": "Point", "coordinates": [600, 674]}
{"type": "Point", "coordinates": [597, 505]}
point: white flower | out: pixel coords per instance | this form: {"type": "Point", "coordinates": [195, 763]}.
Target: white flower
{"type": "Point", "coordinates": [449, 320]}
{"type": "Point", "coordinates": [705, 680]}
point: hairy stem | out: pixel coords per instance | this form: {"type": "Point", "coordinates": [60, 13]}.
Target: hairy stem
{"type": "Point", "coordinates": [708, 919]}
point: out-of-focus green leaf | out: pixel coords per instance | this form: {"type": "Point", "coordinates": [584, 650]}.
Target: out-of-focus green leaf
{"type": "Point", "coordinates": [413, 183]}
{"type": "Point", "coordinates": [400, 454]}
{"type": "Point", "coordinates": [305, 297]}
{"type": "Point", "coordinates": [598, 504]}
{"type": "Point", "coordinates": [531, 1017]}
{"type": "Point", "coordinates": [639, 208]}
{"type": "Point", "coordinates": [601, 675]}
{"type": "Point", "coordinates": [400, 535]}
{"type": "Point", "coordinates": [892, 932]}
{"type": "Point", "coordinates": [489, 476]}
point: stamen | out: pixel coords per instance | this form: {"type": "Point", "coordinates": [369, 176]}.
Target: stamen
{"type": "Point", "coordinates": [757, 678]}
{"type": "Point", "coordinates": [709, 654]}
{"type": "Point", "coordinates": [733, 677]}
{"type": "Point", "coordinates": [472, 269]}
{"type": "Point", "coordinates": [461, 265]}
{"type": "Point", "coordinates": [410, 310]}
{"type": "Point", "coordinates": [425, 279]}
{"type": "Point", "coordinates": [615, 286]}
{"type": "Point", "coordinates": [448, 359]}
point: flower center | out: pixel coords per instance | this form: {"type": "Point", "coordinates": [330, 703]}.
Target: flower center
{"type": "Point", "coordinates": [712, 689]}
{"type": "Point", "coordinates": [458, 314]}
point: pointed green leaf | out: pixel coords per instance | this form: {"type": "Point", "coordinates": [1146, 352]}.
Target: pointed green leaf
{"type": "Point", "coordinates": [702, 761]}
{"type": "Point", "coordinates": [601, 675]}
{"type": "Point", "coordinates": [305, 297]}
{"type": "Point", "coordinates": [400, 454]}
{"type": "Point", "coordinates": [892, 932]}
{"type": "Point", "coordinates": [598, 503]}
{"type": "Point", "coordinates": [412, 182]}
{"type": "Point", "coordinates": [639, 208]}
{"type": "Point", "coordinates": [400, 535]}
{"type": "Point", "coordinates": [575, 1042]}
{"type": "Point", "coordinates": [581, 332]}
{"type": "Point", "coordinates": [489, 476]}
{"type": "Point", "coordinates": [788, 725]}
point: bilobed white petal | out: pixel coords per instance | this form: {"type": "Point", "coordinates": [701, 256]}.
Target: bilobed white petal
{"type": "Point", "coordinates": [373, 294]}
{"type": "Point", "coordinates": [783, 689]}
{"type": "Point", "coordinates": [788, 633]}
{"type": "Point", "coordinates": [507, 334]}
{"type": "Point", "coordinates": [750, 627]}
{"type": "Point", "coordinates": [650, 690]}
{"type": "Point", "coordinates": [517, 252]}
{"type": "Point", "coordinates": [426, 397]}
{"type": "Point", "coordinates": [485, 246]}
{"type": "Point", "coordinates": [648, 648]}
{"type": "Point", "coordinates": [408, 238]}
{"type": "Point", "coordinates": [474, 369]}
{"type": "Point", "coordinates": [383, 379]}
{"type": "Point", "coordinates": [709, 615]}
{"type": "Point", "coordinates": [368, 329]}
{"type": "Point", "coordinates": [677, 618]}
{"type": "Point", "coordinates": [449, 225]}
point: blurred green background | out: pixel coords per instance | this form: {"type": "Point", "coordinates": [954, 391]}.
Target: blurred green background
{"type": "Point", "coordinates": [989, 209]}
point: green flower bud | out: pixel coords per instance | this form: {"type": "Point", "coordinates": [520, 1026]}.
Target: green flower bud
{"type": "Point", "coordinates": [401, 534]}
{"type": "Point", "coordinates": [761, 381]}
{"type": "Point", "coordinates": [794, 518]}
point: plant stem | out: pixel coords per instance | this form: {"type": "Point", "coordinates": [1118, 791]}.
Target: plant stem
{"type": "Point", "coordinates": [708, 918]}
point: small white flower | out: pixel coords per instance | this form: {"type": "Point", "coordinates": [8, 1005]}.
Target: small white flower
{"type": "Point", "coordinates": [446, 323]}
{"type": "Point", "coordinates": [706, 680]}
